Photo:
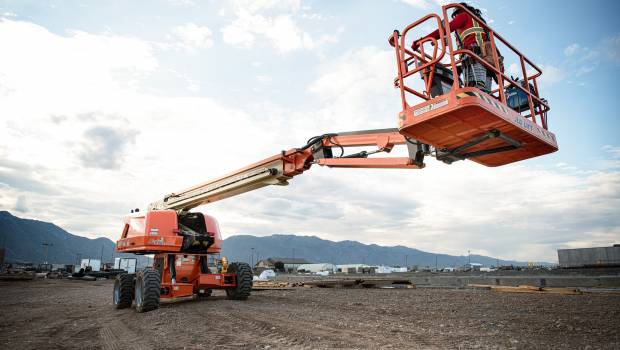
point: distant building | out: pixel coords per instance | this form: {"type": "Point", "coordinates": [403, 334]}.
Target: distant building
{"type": "Point", "coordinates": [350, 268]}
{"type": "Point", "coordinates": [389, 269]}
{"type": "Point", "coordinates": [589, 257]}
{"type": "Point", "coordinates": [473, 266]}
{"type": "Point", "coordinates": [321, 267]}
{"type": "Point", "coordinates": [281, 264]}
{"type": "Point", "coordinates": [356, 268]}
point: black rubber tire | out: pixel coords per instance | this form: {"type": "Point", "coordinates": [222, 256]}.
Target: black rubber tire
{"type": "Point", "coordinates": [148, 290]}
{"type": "Point", "coordinates": [244, 281]}
{"type": "Point", "coordinates": [123, 291]}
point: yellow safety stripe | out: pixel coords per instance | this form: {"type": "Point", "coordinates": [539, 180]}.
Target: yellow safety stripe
{"type": "Point", "coordinates": [471, 31]}
{"type": "Point", "coordinates": [477, 30]}
{"type": "Point", "coordinates": [484, 97]}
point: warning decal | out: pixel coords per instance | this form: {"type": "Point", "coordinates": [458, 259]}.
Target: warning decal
{"type": "Point", "coordinates": [430, 107]}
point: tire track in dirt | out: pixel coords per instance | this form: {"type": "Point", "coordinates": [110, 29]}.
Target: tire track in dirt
{"type": "Point", "coordinates": [250, 331]}
{"type": "Point", "coordinates": [280, 329]}
{"type": "Point", "coordinates": [115, 335]}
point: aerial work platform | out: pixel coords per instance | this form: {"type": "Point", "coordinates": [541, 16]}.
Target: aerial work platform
{"type": "Point", "coordinates": [454, 121]}
{"type": "Point", "coordinates": [493, 128]}
{"type": "Point", "coordinates": [469, 124]}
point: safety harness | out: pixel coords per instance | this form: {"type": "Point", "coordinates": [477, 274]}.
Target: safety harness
{"type": "Point", "coordinates": [477, 31]}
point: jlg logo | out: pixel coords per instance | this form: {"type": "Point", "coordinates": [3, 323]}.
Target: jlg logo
{"type": "Point", "coordinates": [157, 241]}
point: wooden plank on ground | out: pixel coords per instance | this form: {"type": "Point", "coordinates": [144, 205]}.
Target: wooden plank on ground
{"type": "Point", "coordinates": [527, 289]}
{"type": "Point", "coordinates": [271, 285]}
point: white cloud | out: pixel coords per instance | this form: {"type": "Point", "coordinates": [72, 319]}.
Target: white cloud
{"type": "Point", "coordinates": [194, 36]}
{"type": "Point", "coordinates": [421, 4]}
{"type": "Point", "coordinates": [551, 75]}
{"type": "Point", "coordinates": [571, 49]}
{"type": "Point", "coordinates": [584, 70]}
{"type": "Point", "coordinates": [611, 47]}
{"type": "Point", "coordinates": [256, 19]}
{"type": "Point", "coordinates": [264, 79]}
{"type": "Point", "coordinates": [282, 32]}
{"type": "Point", "coordinates": [21, 205]}
{"type": "Point", "coordinates": [582, 60]}
{"type": "Point", "coordinates": [183, 3]}
{"type": "Point", "coordinates": [93, 137]}
{"type": "Point", "coordinates": [37, 65]}
{"type": "Point", "coordinates": [355, 90]}
{"type": "Point", "coordinates": [237, 35]}
{"type": "Point", "coordinates": [425, 4]}
{"type": "Point", "coordinates": [614, 151]}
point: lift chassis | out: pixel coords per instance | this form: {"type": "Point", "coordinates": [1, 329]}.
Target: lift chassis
{"type": "Point", "coordinates": [450, 121]}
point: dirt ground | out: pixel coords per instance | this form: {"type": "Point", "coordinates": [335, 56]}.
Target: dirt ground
{"type": "Point", "coordinates": [62, 314]}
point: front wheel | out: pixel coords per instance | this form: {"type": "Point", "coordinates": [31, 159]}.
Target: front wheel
{"type": "Point", "coordinates": [147, 291]}
{"type": "Point", "coordinates": [244, 281]}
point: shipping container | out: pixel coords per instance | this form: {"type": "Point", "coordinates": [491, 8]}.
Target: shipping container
{"type": "Point", "coordinates": [127, 264]}
{"type": "Point", "coordinates": [95, 264]}
{"type": "Point", "coordinates": [589, 257]}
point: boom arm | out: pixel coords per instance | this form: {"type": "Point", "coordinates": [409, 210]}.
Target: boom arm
{"type": "Point", "coordinates": [278, 169]}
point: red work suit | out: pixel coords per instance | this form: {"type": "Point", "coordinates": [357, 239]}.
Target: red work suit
{"type": "Point", "coordinates": [467, 29]}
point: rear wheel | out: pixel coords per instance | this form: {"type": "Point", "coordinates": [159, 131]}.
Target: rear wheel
{"type": "Point", "coordinates": [244, 281]}
{"type": "Point", "coordinates": [147, 291]}
{"type": "Point", "coordinates": [123, 290]}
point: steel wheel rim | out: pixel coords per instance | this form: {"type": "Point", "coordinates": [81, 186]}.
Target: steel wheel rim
{"type": "Point", "coordinates": [139, 292]}
{"type": "Point", "coordinates": [117, 292]}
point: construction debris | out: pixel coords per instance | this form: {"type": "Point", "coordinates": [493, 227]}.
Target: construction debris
{"type": "Point", "coordinates": [18, 276]}
{"type": "Point", "coordinates": [528, 289]}
{"type": "Point", "coordinates": [271, 285]}
{"type": "Point", "coordinates": [357, 283]}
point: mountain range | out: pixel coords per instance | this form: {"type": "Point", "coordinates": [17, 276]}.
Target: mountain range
{"type": "Point", "coordinates": [314, 249]}
{"type": "Point", "coordinates": [23, 241]}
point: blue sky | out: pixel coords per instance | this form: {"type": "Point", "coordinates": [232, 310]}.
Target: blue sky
{"type": "Point", "coordinates": [106, 106]}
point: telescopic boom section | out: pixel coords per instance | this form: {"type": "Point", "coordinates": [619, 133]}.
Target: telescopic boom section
{"type": "Point", "coordinates": [278, 169]}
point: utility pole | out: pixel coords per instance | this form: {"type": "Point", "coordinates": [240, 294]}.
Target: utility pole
{"type": "Point", "coordinates": [435, 262]}
{"type": "Point", "coordinates": [252, 259]}
{"type": "Point", "coordinates": [469, 257]}
{"type": "Point", "coordinates": [406, 258]}
{"type": "Point", "coordinates": [293, 260]}
{"type": "Point", "coordinates": [46, 245]}
{"type": "Point", "coordinates": [101, 255]}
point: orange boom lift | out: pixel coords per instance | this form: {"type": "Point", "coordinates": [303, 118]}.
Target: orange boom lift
{"type": "Point", "coordinates": [448, 121]}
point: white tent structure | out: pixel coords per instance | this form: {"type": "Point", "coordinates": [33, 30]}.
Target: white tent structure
{"type": "Point", "coordinates": [267, 275]}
